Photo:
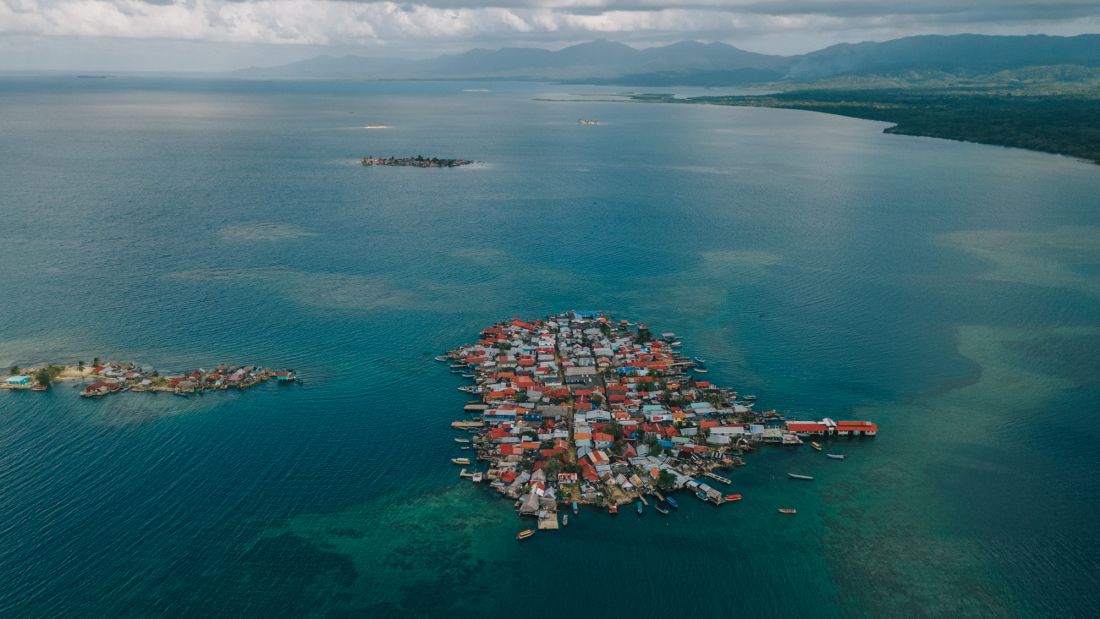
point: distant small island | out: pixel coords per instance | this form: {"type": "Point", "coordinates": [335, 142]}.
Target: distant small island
{"type": "Point", "coordinates": [416, 162]}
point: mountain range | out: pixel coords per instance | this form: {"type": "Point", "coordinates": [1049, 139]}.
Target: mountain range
{"type": "Point", "coordinates": [693, 63]}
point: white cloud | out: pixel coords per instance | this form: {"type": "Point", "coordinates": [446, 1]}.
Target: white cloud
{"type": "Point", "coordinates": [428, 26]}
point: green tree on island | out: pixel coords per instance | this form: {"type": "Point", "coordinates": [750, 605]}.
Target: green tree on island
{"type": "Point", "coordinates": [666, 479]}
{"type": "Point", "coordinates": [42, 377]}
{"type": "Point", "coordinates": [80, 366]}
{"type": "Point", "coordinates": [13, 370]}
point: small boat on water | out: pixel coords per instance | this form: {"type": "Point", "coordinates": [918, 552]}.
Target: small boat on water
{"type": "Point", "coordinates": [576, 508]}
{"type": "Point", "coordinates": [524, 534]}
{"type": "Point", "coordinates": [639, 507]}
{"type": "Point", "coordinates": [802, 477]}
{"type": "Point", "coordinates": [750, 398]}
{"type": "Point", "coordinates": [441, 358]}
{"type": "Point", "coordinates": [733, 497]}
{"type": "Point", "coordinates": [835, 456]}
{"type": "Point", "coordinates": [565, 520]}
{"type": "Point", "coordinates": [698, 360]}
{"type": "Point", "coordinates": [467, 375]}
{"type": "Point", "coordinates": [661, 510]}
{"type": "Point", "coordinates": [460, 460]}
{"type": "Point", "coordinates": [788, 511]}
{"type": "Point", "coordinates": [462, 440]}
{"type": "Point", "coordinates": [700, 370]}
{"type": "Point", "coordinates": [181, 394]}
{"type": "Point", "coordinates": [672, 502]}
{"type": "Point", "coordinates": [465, 448]}
{"type": "Point", "coordinates": [815, 445]}
{"type": "Point", "coordinates": [613, 510]}
{"type": "Point", "coordinates": [458, 366]}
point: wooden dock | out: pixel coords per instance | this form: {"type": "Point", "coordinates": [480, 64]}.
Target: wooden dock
{"type": "Point", "coordinates": [476, 476]}
{"type": "Point", "coordinates": [550, 523]}
{"type": "Point", "coordinates": [717, 477]}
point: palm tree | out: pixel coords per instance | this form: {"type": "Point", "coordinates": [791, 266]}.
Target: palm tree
{"type": "Point", "coordinates": [80, 366]}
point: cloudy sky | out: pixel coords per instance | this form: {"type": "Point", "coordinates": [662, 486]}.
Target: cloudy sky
{"type": "Point", "coordinates": [211, 35]}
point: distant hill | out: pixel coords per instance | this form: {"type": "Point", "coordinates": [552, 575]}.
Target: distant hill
{"type": "Point", "coordinates": [964, 53]}
{"type": "Point", "coordinates": [604, 60]}
{"type": "Point", "coordinates": [712, 64]}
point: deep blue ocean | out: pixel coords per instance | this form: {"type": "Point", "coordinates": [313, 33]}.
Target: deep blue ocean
{"type": "Point", "coordinates": [948, 291]}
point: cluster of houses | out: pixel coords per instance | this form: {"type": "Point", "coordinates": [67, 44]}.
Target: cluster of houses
{"type": "Point", "coordinates": [117, 377]}
{"type": "Point", "coordinates": [580, 408]}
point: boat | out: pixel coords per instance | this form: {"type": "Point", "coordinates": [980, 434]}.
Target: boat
{"type": "Point", "coordinates": [638, 506]}
{"type": "Point", "coordinates": [575, 508]}
{"type": "Point", "coordinates": [613, 510]}
{"type": "Point", "coordinates": [788, 511]}
{"type": "Point", "coordinates": [441, 359]}
{"type": "Point", "coordinates": [467, 375]}
{"type": "Point", "coordinates": [460, 460]}
{"type": "Point", "coordinates": [672, 502]}
{"type": "Point", "coordinates": [733, 497]}
{"type": "Point", "coordinates": [462, 440]}
{"type": "Point", "coordinates": [459, 366]}
{"type": "Point", "coordinates": [39, 388]}
{"type": "Point", "coordinates": [835, 456]}
{"type": "Point", "coordinates": [702, 496]}
{"type": "Point", "coordinates": [698, 360]}
{"type": "Point", "coordinates": [802, 477]}
{"type": "Point", "coordinates": [700, 370]}
{"type": "Point", "coordinates": [524, 534]}
{"type": "Point", "coordinates": [750, 398]}
{"type": "Point", "coordinates": [565, 520]}
{"type": "Point", "coordinates": [660, 510]}
{"type": "Point", "coordinates": [180, 394]}
{"type": "Point", "coordinates": [815, 445]}
{"type": "Point", "coordinates": [465, 448]}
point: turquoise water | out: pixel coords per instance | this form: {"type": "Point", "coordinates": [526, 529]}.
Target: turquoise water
{"type": "Point", "coordinates": [948, 291]}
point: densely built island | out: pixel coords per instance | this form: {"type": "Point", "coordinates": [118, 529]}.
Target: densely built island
{"type": "Point", "coordinates": [580, 409]}
{"type": "Point", "coordinates": [415, 162]}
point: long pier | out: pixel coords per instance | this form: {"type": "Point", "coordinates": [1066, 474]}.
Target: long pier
{"type": "Point", "coordinates": [717, 477]}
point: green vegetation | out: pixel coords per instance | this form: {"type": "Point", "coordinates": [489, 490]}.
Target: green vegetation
{"type": "Point", "coordinates": [42, 377]}
{"type": "Point", "coordinates": [1043, 118]}
{"type": "Point", "coordinates": [666, 479]}
{"type": "Point", "coordinates": [13, 370]}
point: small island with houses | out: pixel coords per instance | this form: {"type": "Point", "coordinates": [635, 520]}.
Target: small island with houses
{"type": "Point", "coordinates": [102, 378]}
{"type": "Point", "coordinates": [418, 161]}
